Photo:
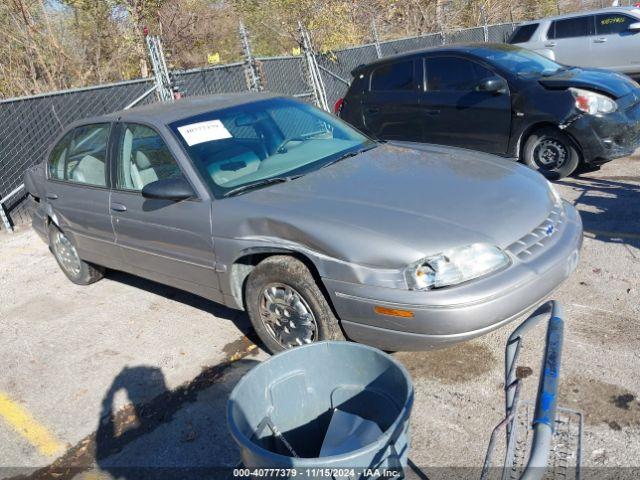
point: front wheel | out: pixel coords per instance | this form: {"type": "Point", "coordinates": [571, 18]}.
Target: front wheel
{"type": "Point", "coordinates": [286, 306]}
{"type": "Point", "coordinates": [76, 269]}
{"type": "Point", "coordinates": [551, 152]}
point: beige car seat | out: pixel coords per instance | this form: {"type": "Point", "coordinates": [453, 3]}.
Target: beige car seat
{"type": "Point", "coordinates": [89, 170]}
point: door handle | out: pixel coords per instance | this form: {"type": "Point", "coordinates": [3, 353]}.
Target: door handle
{"type": "Point", "coordinates": [373, 110]}
{"type": "Point", "coordinates": [52, 196]}
{"type": "Point", "coordinates": [118, 207]}
{"type": "Point", "coordinates": [550, 44]}
{"type": "Point", "coordinates": [432, 112]}
{"type": "Point", "coordinates": [599, 40]}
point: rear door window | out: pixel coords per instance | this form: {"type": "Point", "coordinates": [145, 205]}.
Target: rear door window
{"type": "Point", "coordinates": [572, 27]}
{"type": "Point", "coordinates": [613, 23]}
{"type": "Point", "coordinates": [393, 77]}
{"type": "Point", "coordinates": [523, 33]}
{"type": "Point", "coordinates": [80, 157]}
{"type": "Point", "coordinates": [452, 74]}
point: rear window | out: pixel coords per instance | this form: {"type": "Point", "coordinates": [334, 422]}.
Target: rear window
{"type": "Point", "coordinates": [523, 33]}
{"type": "Point", "coordinates": [612, 23]}
{"type": "Point", "coordinates": [572, 27]}
{"type": "Point", "coordinates": [393, 76]}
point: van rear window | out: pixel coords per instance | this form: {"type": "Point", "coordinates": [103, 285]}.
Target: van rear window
{"type": "Point", "coordinates": [523, 33]}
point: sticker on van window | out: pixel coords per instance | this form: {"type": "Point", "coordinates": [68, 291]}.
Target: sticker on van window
{"type": "Point", "coordinates": [201, 132]}
{"type": "Point", "coordinates": [612, 20]}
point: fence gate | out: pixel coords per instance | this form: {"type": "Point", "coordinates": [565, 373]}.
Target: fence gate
{"type": "Point", "coordinates": [313, 70]}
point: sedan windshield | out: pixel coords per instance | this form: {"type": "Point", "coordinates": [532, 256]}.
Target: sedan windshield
{"type": "Point", "coordinates": [519, 61]}
{"type": "Point", "coordinates": [260, 143]}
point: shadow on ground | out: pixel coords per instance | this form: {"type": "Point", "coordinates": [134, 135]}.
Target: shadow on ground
{"type": "Point", "coordinates": [609, 207]}
{"type": "Point", "coordinates": [239, 318]}
{"type": "Point", "coordinates": [179, 434]}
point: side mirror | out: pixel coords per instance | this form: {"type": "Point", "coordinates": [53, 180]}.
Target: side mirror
{"type": "Point", "coordinates": [492, 85]}
{"type": "Point", "coordinates": [634, 27]}
{"type": "Point", "coordinates": [174, 189]}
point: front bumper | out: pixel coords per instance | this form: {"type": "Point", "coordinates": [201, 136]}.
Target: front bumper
{"type": "Point", "coordinates": [462, 312]}
{"type": "Point", "coordinates": [607, 137]}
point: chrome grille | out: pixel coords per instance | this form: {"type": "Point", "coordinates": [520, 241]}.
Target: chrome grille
{"type": "Point", "coordinates": [536, 241]}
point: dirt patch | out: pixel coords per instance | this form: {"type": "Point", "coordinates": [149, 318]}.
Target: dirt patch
{"type": "Point", "coordinates": [459, 364]}
{"type": "Point", "coordinates": [523, 372]}
{"type": "Point", "coordinates": [601, 402]}
{"type": "Point", "coordinates": [618, 329]}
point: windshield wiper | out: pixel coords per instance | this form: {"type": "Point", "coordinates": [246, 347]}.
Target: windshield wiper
{"type": "Point", "coordinates": [258, 184]}
{"type": "Point", "coordinates": [348, 155]}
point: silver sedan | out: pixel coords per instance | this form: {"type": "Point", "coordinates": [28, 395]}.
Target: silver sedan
{"type": "Point", "coordinates": [269, 205]}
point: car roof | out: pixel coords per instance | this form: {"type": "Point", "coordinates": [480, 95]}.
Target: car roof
{"type": "Point", "coordinates": [635, 10]}
{"type": "Point", "coordinates": [469, 48]}
{"type": "Point", "coordinates": [165, 113]}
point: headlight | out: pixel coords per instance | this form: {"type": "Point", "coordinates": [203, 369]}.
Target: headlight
{"type": "Point", "coordinates": [455, 266]}
{"type": "Point", "coordinates": [592, 102]}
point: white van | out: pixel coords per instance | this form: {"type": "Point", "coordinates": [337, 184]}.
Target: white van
{"type": "Point", "coordinates": [607, 38]}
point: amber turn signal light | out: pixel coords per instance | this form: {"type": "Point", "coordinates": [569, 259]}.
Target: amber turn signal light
{"type": "Point", "coordinates": [394, 312]}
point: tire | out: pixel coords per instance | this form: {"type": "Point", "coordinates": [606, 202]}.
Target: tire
{"type": "Point", "coordinates": [281, 289]}
{"type": "Point", "coordinates": [551, 152]}
{"type": "Point", "coordinates": [76, 269]}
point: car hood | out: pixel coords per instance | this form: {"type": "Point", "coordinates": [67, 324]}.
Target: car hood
{"type": "Point", "coordinates": [604, 81]}
{"type": "Point", "coordinates": [392, 205]}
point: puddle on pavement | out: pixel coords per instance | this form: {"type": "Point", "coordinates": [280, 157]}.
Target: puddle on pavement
{"type": "Point", "coordinates": [239, 346]}
{"type": "Point", "coordinates": [458, 364]}
{"type": "Point", "coordinates": [600, 402]}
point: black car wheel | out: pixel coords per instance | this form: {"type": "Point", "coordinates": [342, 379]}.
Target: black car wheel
{"type": "Point", "coordinates": [76, 269]}
{"type": "Point", "coordinates": [286, 307]}
{"type": "Point", "coordinates": [551, 153]}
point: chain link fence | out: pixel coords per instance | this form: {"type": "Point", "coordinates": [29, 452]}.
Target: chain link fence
{"type": "Point", "coordinates": [30, 124]}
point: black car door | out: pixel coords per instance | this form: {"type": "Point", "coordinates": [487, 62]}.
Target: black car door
{"type": "Point", "coordinates": [390, 104]}
{"type": "Point", "coordinates": [455, 111]}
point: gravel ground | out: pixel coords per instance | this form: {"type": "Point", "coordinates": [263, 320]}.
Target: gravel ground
{"type": "Point", "coordinates": [71, 355]}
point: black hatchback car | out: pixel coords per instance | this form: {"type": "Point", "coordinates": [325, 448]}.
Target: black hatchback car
{"type": "Point", "coordinates": [499, 99]}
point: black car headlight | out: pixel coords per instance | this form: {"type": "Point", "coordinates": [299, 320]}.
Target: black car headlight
{"type": "Point", "coordinates": [593, 103]}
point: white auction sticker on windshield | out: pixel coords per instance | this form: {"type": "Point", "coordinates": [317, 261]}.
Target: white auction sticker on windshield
{"type": "Point", "coordinates": [201, 132]}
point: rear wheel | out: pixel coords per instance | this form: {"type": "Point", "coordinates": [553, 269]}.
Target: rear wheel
{"type": "Point", "coordinates": [76, 269]}
{"type": "Point", "coordinates": [551, 152]}
{"type": "Point", "coordinates": [286, 306]}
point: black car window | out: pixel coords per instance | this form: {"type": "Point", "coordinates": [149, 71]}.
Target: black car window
{"type": "Point", "coordinates": [523, 33]}
{"type": "Point", "coordinates": [452, 74]}
{"type": "Point", "coordinates": [572, 27]}
{"type": "Point", "coordinates": [80, 157]}
{"type": "Point", "coordinates": [143, 158]}
{"type": "Point", "coordinates": [393, 76]}
{"type": "Point", "coordinates": [613, 23]}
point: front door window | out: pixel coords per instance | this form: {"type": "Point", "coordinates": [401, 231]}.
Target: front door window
{"type": "Point", "coordinates": [143, 158]}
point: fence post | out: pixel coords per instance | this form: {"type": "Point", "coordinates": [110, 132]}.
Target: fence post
{"type": "Point", "coordinates": [160, 71]}
{"type": "Point", "coordinates": [314, 77]}
{"type": "Point", "coordinates": [376, 40]}
{"type": "Point", "coordinates": [251, 75]}
{"type": "Point", "coordinates": [5, 220]}
{"type": "Point", "coordinates": [485, 25]}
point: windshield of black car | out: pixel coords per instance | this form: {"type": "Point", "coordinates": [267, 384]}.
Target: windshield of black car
{"type": "Point", "coordinates": [277, 137]}
{"type": "Point", "coordinates": [520, 61]}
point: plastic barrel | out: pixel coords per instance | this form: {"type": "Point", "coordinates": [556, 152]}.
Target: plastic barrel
{"type": "Point", "coordinates": [296, 392]}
